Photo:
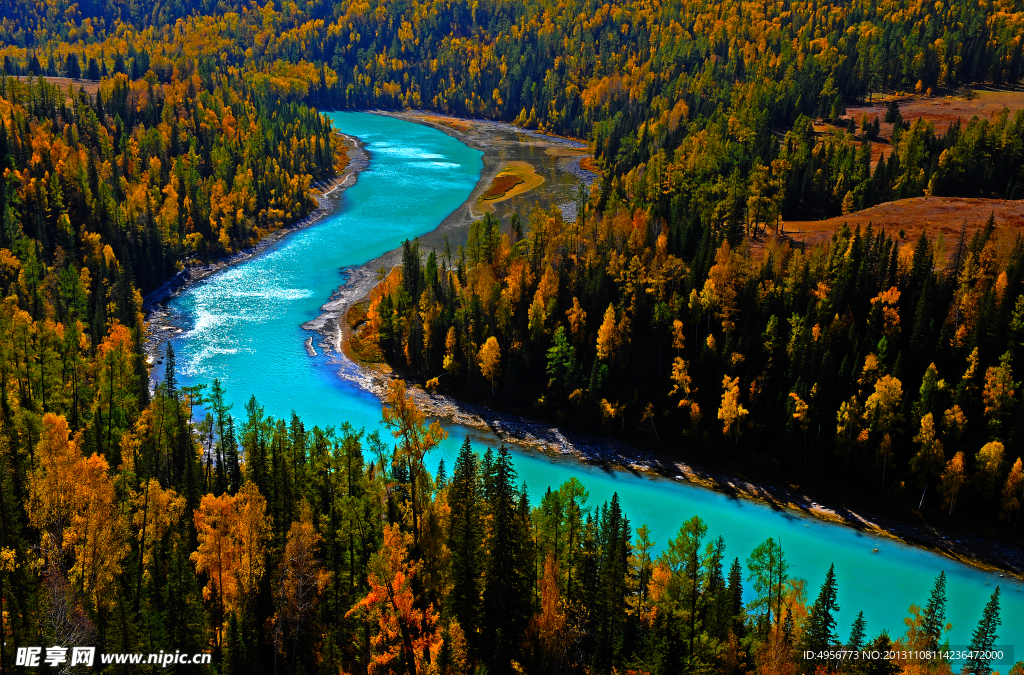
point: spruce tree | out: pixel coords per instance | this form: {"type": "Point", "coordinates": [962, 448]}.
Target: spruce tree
{"type": "Point", "coordinates": [984, 638]}
{"type": "Point", "coordinates": [857, 633]}
{"type": "Point", "coordinates": [506, 595]}
{"type": "Point", "coordinates": [441, 480]}
{"type": "Point", "coordinates": [170, 371]}
{"type": "Point", "coordinates": [882, 643]}
{"type": "Point", "coordinates": [231, 460]}
{"type": "Point", "coordinates": [735, 595]}
{"type": "Point", "coordinates": [821, 623]}
{"type": "Point", "coordinates": [934, 617]}
{"type": "Point", "coordinates": [610, 606]}
{"type": "Point", "coordinates": [465, 541]}
{"type": "Point", "coordinates": [716, 609]}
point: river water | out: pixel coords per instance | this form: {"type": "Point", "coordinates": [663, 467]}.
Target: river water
{"type": "Point", "coordinates": [243, 326]}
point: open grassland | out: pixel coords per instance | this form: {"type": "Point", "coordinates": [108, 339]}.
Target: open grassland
{"type": "Point", "coordinates": [908, 218]}
{"type": "Point", "coordinates": [942, 111]}
{"type": "Point", "coordinates": [90, 86]}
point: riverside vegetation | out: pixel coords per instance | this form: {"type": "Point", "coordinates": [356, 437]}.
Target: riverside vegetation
{"type": "Point", "coordinates": [664, 310]}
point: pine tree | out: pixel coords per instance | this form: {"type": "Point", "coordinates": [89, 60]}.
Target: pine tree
{"type": "Point", "coordinates": [735, 593]}
{"type": "Point", "coordinates": [506, 596]}
{"type": "Point", "coordinates": [934, 617]}
{"type": "Point", "coordinates": [984, 638]}
{"type": "Point", "coordinates": [857, 633]}
{"type": "Point", "coordinates": [821, 623]}
{"type": "Point", "coordinates": [465, 541]}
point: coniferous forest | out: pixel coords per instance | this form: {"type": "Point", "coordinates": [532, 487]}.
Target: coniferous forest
{"type": "Point", "coordinates": [137, 138]}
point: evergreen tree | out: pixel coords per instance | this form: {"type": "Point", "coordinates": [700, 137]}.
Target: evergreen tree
{"type": "Point", "coordinates": [768, 574]}
{"type": "Point", "coordinates": [857, 633]}
{"type": "Point", "coordinates": [231, 459]}
{"type": "Point", "coordinates": [934, 617]}
{"type": "Point", "coordinates": [465, 541]}
{"type": "Point", "coordinates": [71, 67]}
{"type": "Point", "coordinates": [610, 605]}
{"type": "Point", "coordinates": [170, 370]}
{"type": "Point", "coordinates": [882, 644]}
{"type": "Point", "coordinates": [819, 633]}
{"type": "Point", "coordinates": [506, 595]}
{"type": "Point", "coordinates": [735, 595]}
{"type": "Point", "coordinates": [983, 639]}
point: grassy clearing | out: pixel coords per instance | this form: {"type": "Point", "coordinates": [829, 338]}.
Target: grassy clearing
{"type": "Point", "coordinates": [908, 218]}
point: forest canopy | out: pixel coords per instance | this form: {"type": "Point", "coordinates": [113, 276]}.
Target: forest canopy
{"type": "Point", "coordinates": [139, 138]}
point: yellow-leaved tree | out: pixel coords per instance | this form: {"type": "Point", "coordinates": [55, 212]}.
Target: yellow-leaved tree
{"type": "Point", "coordinates": [251, 529]}
{"type": "Point", "coordinates": [158, 512]}
{"type": "Point", "coordinates": [71, 501]}
{"type": "Point", "coordinates": [927, 463]}
{"type": "Point", "coordinates": [606, 334]}
{"type": "Point", "coordinates": [216, 555]}
{"type": "Point", "coordinates": [1013, 492]}
{"type": "Point", "coordinates": [415, 439]}
{"type": "Point", "coordinates": [233, 533]}
{"type": "Point", "coordinates": [300, 581]}
{"type": "Point", "coordinates": [490, 360]}
{"type": "Point", "coordinates": [952, 480]}
{"type": "Point", "coordinates": [731, 412]}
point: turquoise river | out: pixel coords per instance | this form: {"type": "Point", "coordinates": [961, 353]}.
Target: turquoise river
{"type": "Point", "coordinates": [243, 326]}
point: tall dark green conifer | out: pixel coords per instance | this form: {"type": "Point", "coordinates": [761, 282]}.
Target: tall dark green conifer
{"type": "Point", "coordinates": [934, 617]}
{"type": "Point", "coordinates": [506, 596]}
{"type": "Point", "coordinates": [170, 370]}
{"type": "Point", "coordinates": [820, 631]}
{"type": "Point", "coordinates": [857, 632]}
{"type": "Point", "coordinates": [735, 595]}
{"type": "Point", "coordinates": [610, 605]}
{"type": "Point", "coordinates": [984, 638]}
{"type": "Point", "coordinates": [465, 541]}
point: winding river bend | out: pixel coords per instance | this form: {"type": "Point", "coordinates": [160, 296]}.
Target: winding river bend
{"type": "Point", "coordinates": [243, 326]}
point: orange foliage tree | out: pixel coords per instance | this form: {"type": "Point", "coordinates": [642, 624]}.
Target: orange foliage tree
{"type": "Point", "coordinates": [408, 636]}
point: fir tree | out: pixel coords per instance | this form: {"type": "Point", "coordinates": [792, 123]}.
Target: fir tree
{"type": "Point", "coordinates": [821, 623]}
{"type": "Point", "coordinates": [465, 541]}
{"type": "Point", "coordinates": [934, 617]}
{"type": "Point", "coordinates": [170, 371]}
{"type": "Point", "coordinates": [735, 595]}
{"type": "Point", "coordinates": [506, 603]}
{"type": "Point", "coordinates": [984, 638]}
{"type": "Point", "coordinates": [857, 633]}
